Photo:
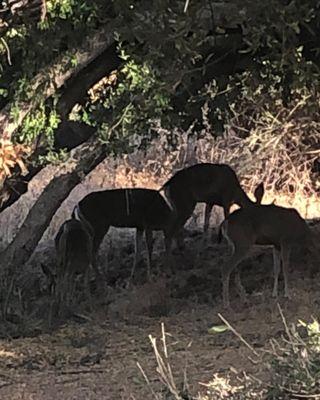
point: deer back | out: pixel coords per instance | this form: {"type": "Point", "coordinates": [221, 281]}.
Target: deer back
{"type": "Point", "coordinates": [131, 208]}
{"type": "Point", "coordinates": [206, 182]}
{"type": "Point", "coordinates": [269, 224]}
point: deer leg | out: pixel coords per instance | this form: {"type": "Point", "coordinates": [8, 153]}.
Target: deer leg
{"type": "Point", "coordinates": [285, 256]}
{"type": "Point", "coordinates": [168, 249]}
{"type": "Point", "coordinates": [149, 242]}
{"type": "Point", "coordinates": [98, 237]}
{"type": "Point", "coordinates": [59, 290]}
{"type": "Point", "coordinates": [87, 287]}
{"type": "Point", "coordinates": [73, 288]}
{"type": "Point", "coordinates": [69, 289]}
{"type": "Point", "coordinates": [240, 289]}
{"type": "Point", "coordinates": [138, 248]}
{"type": "Point", "coordinates": [179, 239]}
{"type": "Point", "coordinates": [207, 214]}
{"type": "Point", "coordinates": [226, 211]}
{"type": "Point", "coordinates": [276, 271]}
{"type": "Point", "coordinates": [238, 255]}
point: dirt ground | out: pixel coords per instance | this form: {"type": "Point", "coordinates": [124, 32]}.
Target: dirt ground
{"type": "Point", "coordinates": [106, 352]}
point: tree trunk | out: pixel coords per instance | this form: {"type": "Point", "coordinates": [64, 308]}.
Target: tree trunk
{"type": "Point", "coordinates": [69, 135]}
{"type": "Point", "coordinates": [75, 89]}
{"type": "Point", "coordinates": [86, 158]}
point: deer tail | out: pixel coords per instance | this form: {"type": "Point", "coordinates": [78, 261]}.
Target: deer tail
{"type": "Point", "coordinates": [78, 215]}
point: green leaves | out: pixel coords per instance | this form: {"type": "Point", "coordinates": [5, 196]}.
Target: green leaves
{"type": "Point", "coordinates": [60, 8]}
{"type": "Point", "coordinates": [39, 122]}
{"type": "Point", "coordinates": [125, 110]}
{"type": "Point", "coordinates": [218, 329]}
{"type": "Point", "coordinates": [177, 60]}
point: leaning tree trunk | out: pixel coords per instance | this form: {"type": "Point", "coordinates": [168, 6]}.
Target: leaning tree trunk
{"type": "Point", "coordinates": [85, 159]}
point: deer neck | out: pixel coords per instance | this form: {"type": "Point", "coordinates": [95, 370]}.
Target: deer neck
{"type": "Point", "coordinates": [242, 199]}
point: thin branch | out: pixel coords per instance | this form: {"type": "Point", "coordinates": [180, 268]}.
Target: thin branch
{"type": "Point", "coordinates": [238, 335]}
{"type": "Point", "coordinates": [186, 6]}
{"type": "Point", "coordinates": [7, 50]}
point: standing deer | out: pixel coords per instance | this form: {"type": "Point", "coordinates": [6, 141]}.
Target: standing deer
{"type": "Point", "coordinates": [74, 247]}
{"type": "Point", "coordinates": [213, 184]}
{"type": "Point", "coordinates": [143, 209]}
{"type": "Point", "coordinates": [283, 228]}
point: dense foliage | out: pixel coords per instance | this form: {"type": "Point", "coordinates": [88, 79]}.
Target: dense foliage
{"type": "Point", "coordinates": [177, 57]}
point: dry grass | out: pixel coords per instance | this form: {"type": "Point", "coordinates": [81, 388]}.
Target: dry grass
{"type": "Point", "coordinates": [292, 362]}
{"type": "Point", "coordinates": [287, 174]}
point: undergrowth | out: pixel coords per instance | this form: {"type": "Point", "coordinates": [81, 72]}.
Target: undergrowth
{"type": "Point", "coordinates": [263, 141]}
{"type": "Point", "coordinates": [292, 361]}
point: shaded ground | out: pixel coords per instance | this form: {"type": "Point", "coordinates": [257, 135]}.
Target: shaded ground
{"type": "Point", "coordinates": [94, 354]}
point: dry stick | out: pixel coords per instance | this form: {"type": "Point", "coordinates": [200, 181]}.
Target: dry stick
{"type": "Point", "coordinates": [284, 321]}
{"type": "Point", "coordinates": [238, 335]}
{"type": "Point", "coordinates": [165, 350]}
{"type": "Point", "coordinates": [164, 370]}
{"type": "Point", "coordinates": [186, 5]}
{"type": "Point", "coordinates": [294, 343]}
{"type": "Point", "coordinates": [147, 381]}
{"type": "Point", "coordinates": [164, 344]}
{"type": "Point", "coordinates": [7, 50]}
{"type": "Point", "coordinates": [306, 396]}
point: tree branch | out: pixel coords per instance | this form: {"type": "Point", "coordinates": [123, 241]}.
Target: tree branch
{"type": "Point", "coordinates": [54, 77]}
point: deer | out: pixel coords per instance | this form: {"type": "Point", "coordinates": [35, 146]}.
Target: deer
{"type": "Point", "coordinates": [74, 248]}
{"type": "Point", "coordinates": [146, 210]}
{"type": "Point", "coordinates": [268, 225]}
{"type": "Point", "coordinates": [213, 184]}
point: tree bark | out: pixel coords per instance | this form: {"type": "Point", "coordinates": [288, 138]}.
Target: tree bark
{"type": "Point", "coordinates": [85, 159]}
{"type": "Point", "coordinates": [76, 88]}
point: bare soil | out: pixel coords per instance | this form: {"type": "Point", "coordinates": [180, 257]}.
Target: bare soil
{"type": "Point", "coordinates": [101, 353]}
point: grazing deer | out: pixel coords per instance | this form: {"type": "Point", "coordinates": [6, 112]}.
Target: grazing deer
{"type": "Point", "coordinates": [213, 184]}
{"type": "Point", "coordinates": [143, 209]}
{"type": "Point", "coordinates": [74, 247]}
{"type": "Point", "coordinates": [283, 228]}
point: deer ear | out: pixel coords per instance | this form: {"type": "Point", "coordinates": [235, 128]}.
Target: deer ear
{"type": "Point", "coordinates": [259, 192]}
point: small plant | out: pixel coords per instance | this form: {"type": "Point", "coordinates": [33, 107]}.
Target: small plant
{"type": "Point", "coordinates": [172, 390]}
{"type": "Point", "coordinates": [295, 363]}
